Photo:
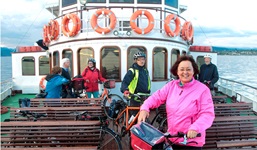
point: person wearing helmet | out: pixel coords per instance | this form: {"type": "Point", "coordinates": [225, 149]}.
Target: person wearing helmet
{"type": "Point", "coordinates": [91, 76]}
{"type": "Point", "coordinates": [137, 79]}
{"type": "Point", "coordinates": [208, 73]}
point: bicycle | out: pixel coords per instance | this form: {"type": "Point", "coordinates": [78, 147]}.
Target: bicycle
{"type": "Point", "coordinates": [145, 136]}
{"type": "Point", "coordinates": [109, 98]}
{"type": "Point", "coordinates": [109, 139]}
{"type": "Point", "coordinates": [122, 121]}
{"type": "Point", "coordinates": [30, 115]}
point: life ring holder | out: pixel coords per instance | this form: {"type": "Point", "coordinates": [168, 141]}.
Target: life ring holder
{"type": "Point", "coordinates": [76, 25]}
{"type": "Point", "coordinates": [41, 83]}
{"type": "Point", "coordinates": [53, 30]}
{"type": "Point", "coordinates": [105, 12]}
{"type": "Point", "coordinates": [167, 28]}
{"type": "Point", "coordinates": [187, 32]}
{"type": "Point", "coordinates": [150, 22]}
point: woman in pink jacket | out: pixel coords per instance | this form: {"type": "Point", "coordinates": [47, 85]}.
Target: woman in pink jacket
{"type": "Point", "coordinates": [91, 76]}
{"type": "Point", "coordinates": [189, 104]}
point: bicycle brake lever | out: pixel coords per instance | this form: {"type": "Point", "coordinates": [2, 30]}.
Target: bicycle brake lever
{"type": "Point", "coordinates": [192, 142]}
{"type": "Point", "coordinates": [185, 140]}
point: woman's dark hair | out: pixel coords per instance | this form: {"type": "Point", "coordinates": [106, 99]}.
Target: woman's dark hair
{"type": "Point", "coordinates": [174, 69]}
{"type": "Point", "coordinates": [56, 70]}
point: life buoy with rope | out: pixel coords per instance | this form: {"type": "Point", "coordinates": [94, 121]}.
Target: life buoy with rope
{"type": "Point", "coordinates": [187, 32]}
{"type": "Point", "coordinates": [105, 12]}
{"type": "Point", "coordinates": [167, 27]}
{"type": "Point", "coordinates": [42, 83]}
{"type": "Point", "coordinates": [150, 22]}
{"type": "Point", "coordinates": [45, 34]}
{"type": "Point", "coordinates": [65, 25]}
{"type": "Point", "coordinates": [53, 30]}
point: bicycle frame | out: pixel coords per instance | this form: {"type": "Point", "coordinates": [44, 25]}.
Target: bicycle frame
{"type": "Point", "coordinates": [127, 125]}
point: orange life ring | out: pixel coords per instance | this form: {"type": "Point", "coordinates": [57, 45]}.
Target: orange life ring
{"type": "Point", "coordinates": [150, 22]}
{"type": "Point", "coordinates": [105, 12]}
{"type": "Point", "coordinates": [53, 30]}
{"type": "Point", "coordinates": [187, 32]}
{"type": "Point", "coordinates": [41, 83]}
{"type": "Point", "coordinates": [167, 28]}
{"type": "Point", "coordinates": [65, 22]}
{"type": "Point", "coordinates": [78, 23]}
{"type": "Point", "coordinates": [45, 34]}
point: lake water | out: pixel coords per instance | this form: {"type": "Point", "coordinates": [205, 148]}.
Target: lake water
{"type": "Point", "coordinates": [239, 68]}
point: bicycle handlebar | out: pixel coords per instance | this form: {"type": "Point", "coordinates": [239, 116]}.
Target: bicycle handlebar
{"type": "Point", "coordinates": [179, 135]}
{"type": "Point", "coordinates": [141, 96]}
{"type": "Point", "coordinates": [29, 114]}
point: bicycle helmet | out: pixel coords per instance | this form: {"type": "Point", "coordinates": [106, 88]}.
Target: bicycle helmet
{"type": "Point", "coordinates": [207, 56]}
{"type": "Point", "coordinates": [92, 60]}
{"type": "Point", "coordinates": [139, 54]}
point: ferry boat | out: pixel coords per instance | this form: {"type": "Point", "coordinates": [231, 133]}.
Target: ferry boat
{"type": "Point", "coordinates": [111, 32]}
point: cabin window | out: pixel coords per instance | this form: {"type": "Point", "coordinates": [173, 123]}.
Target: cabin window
{"type": "Point", "coordinates": [44, 65]}
{"type": "Point", "coordinates": [174, 57]}
{"type": "Point", "coordinates": [56, 59]}
{"type": "Point", "coordinates": [110, 63]}
{"type": "Point", "coordinates": [68, 54]}
{"type": "Point", "coordinates": [149, 2]}
{"type": "Point", "coordinates": [96, 1]}
{"type": "Point", "coordinates": [159, 64]}
{"type": "Point", "coordinates": [83, 55]}
{"type": "Point", "coordinates": [28, 66]}
{"type": "Point", "coordinates": [172, 3]}
{"type": "Point", "coordinates": [68, 2]}
{"type": "Point", "coordinates": [124, 26]}
{"type": "Point", "coordinates": [131, 52]}
{"type": "Point", "coordinates": [200, 61]}
{"type": "Point", "coordinates": [122, 1]}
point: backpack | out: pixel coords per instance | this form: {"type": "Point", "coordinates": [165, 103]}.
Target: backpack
{"type": "Point", "coordinates": [116, 107]}
{"type": "Point", "coordinates": [24, 102]}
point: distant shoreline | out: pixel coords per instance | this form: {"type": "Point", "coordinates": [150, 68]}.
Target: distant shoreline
{"type": "Point", "coordinates": [237, 52]}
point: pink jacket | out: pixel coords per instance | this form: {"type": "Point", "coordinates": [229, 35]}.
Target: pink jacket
{"type": "Point", "coordinates": [187, 107]}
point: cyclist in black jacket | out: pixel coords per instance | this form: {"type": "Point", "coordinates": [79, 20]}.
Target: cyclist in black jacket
{"type": "Point", "coordinates": [136, 79]}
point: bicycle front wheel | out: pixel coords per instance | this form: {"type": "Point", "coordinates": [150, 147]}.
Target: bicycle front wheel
{"type": "Point", "coordinates": [107, 103]}
{"type": "Point", "coordinates": [163, 126]}
{"type": "Point", "coordinates": [109, 140]}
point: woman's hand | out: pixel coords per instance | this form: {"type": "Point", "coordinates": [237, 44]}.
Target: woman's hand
{"type": "Point", "coordinates": [191, 134]}
{"type": "Point", "coordinates": [142, 116]}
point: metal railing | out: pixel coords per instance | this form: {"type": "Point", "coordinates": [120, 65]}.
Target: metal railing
{"type": "Point", "coordinates": [6, 88]}
{"type": "Point", "coordinates": [243, 92]}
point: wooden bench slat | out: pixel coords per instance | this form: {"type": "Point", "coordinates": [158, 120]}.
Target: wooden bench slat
{"type": "Point", "coordinates": [54, 148]}
{"type": "Point", "coordinates": [224, 144]}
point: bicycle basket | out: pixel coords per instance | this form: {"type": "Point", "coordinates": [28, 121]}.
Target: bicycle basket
{"type": "Point", "coordinates": [110, 84]}
{"type": "Point", "coordinates": [145, 136]}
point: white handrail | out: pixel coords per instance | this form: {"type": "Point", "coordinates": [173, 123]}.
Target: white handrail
{"type": "Point", "coordinates": [242, 92]}
{"type": "Point", "coordinates": [6, 88]}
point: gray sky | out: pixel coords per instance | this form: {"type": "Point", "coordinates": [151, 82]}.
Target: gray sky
{"type": "Point", "coordinates": [228, 23]}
